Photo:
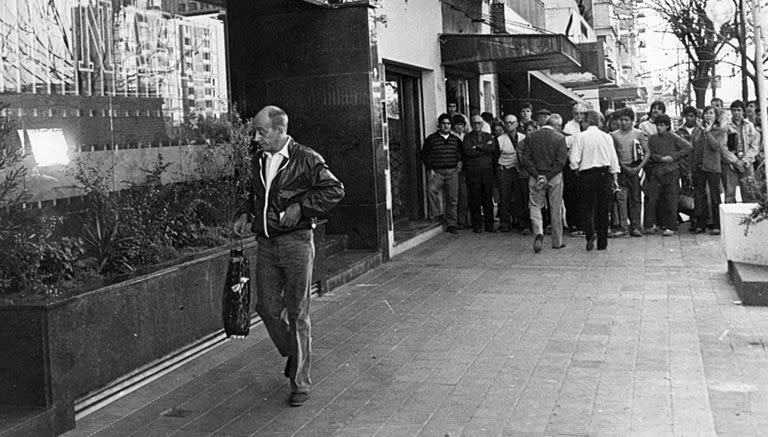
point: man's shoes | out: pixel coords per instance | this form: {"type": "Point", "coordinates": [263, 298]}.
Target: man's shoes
{"type": "Point", "coordinates": [577, 233]}
{"type": "Point", "coordinates": [287, 371]}
{"type": "Point", "coordinates": [537, 243]}
{"type": "Point", "coordinates": [526, 232]}
{"type": "Point", "coordinates": [560, 247]}
{"type": "Point", "coordinates": [668, 233]}
{"type": "Point", "coordinates": [714, 231]}
{"type": "Point", "coordinates": [505, 228]}
{"type": "Point", "coordinates": [477, 230]}
{"type": "Point", "coordinates": [651, 230]}
{"type": "Point", "coordinates": [490, 229]}
{"type": "Point", "coordinates": [591, 242]}
{"type": "Point", "coordinates": [453, 229]}
{"type": "Point", "coordinates": [636, 233]}
{"type": "Point", "coordinates": [298, 399]}
{"type": "Point", "coordinates": [602, 248]}
{"type": "Point", "coordinates": [618, 234]}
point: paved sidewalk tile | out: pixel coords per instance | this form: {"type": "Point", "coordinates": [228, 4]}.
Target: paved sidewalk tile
{"type": "Point", "coordinates": [476, 335]}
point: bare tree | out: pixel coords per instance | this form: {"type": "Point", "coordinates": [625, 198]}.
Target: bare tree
{"type": "Point", "coordinates": [688, 21]}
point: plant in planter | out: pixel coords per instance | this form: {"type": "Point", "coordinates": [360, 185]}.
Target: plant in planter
{"type": "Point", "coordinates": [757, 188]}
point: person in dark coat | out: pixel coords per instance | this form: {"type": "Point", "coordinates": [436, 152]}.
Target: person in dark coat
{"type": "Point", "coordinates": [480, 152]}
{"type": "Point", "coordinates": [291, 186]}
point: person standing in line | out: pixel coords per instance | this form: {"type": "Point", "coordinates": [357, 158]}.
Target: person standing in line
{"type": "Point", "coordinates": [458, 126]}
{"type": "Point", "coordinates": [291, 186]}
{"type": "Point", "coordinates": [709, 143]}
{"type": "Point", "coordinates": [594, 156]}
{"type": "Point", "coordinates": [648, 127]}
{"type": "Point", "coordinates": [526, 114]}
{"type": "Point", "coordinates": [662, 186]}
{"type": "Point", "coordinates": [571, 192]}
{"type": "Point", "coordinates": [633, 153]}
{"type": "Point", "coordinates": [690, 123]}
{"type": "Point", "coordinates": [453, 111]}
{"type": "Point", "coordinates": [744, 147]}
{"type": "Point", "coordinates": [543, 156]}
{"type": "Point", "coordinates": [479, 151]}
{"type": "Point", "coordinates": [441, 155]}
{"type": "Point", "coordinates": [508, 173]}
{"type": "Point", "coordinates": [725, 116]}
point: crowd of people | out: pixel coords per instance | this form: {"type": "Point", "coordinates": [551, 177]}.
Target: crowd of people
{"type": "Point", "coordinates": [599, 176]}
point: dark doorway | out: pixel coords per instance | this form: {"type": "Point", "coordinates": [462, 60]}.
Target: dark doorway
{"type": "Point", "coordinates": [403, 100]}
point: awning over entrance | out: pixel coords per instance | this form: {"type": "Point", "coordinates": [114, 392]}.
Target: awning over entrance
{"type": "Point", "coordinates": [554, 86]}
{"type": "Point", "coordinates": [503, 53]}
{"type": "Point", "coordinates": [625, 94]}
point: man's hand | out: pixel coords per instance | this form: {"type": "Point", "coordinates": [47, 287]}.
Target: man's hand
{"type": "Point", "coordinates": [541, 181]}
{"type": "Point", "coordinates": [240, 226]}
{"type": "Point", "coordinates": [741, 166]}
{"type": "Point", "coordinates": [291, 216]}
{"type": "Point", "coordinates": [667, 159]}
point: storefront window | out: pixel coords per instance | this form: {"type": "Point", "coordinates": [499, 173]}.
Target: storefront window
{"type": "Point", "coordinates": [117, 83]}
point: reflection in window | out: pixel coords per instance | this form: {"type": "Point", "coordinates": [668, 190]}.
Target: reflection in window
{"type": "Point", "coordinates": [48, 146]}
{"type": "Point", "coordinates": [89, 70]}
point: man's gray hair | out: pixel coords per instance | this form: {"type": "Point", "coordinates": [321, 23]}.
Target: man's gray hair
{"type": "Point", "coordinates": [555, 120]}
{"type": "Point", "coordinates": [593, 118]}
{"type": "Point", "coordinates": [277, 116]}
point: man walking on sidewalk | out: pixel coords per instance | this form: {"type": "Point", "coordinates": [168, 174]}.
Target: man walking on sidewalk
{"type": "Point", "coordinates": [291, 185]}
{"type": "Point", "coordinates": [442, 157]}
{"type": "Point", "coordinates": [594, 156]}
{"type": "Point", "coordinates": [543, 156]}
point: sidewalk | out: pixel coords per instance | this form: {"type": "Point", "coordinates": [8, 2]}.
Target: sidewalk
{"type": "Point", "coordinates": [476, 335]}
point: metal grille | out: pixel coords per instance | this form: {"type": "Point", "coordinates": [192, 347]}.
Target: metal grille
{"type": "Point", "coordinates": [396, 171]}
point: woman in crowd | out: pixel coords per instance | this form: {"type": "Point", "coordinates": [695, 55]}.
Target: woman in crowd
{"type": "Point", "coordinates": [709, 142]}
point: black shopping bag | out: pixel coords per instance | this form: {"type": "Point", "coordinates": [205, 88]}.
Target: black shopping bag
{"type": "Point", "coordinates": [685, 200]}
{"type": "Point", "coordinates": [236, 306]}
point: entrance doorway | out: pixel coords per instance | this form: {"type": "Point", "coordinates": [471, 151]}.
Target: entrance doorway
{"type": "Point", "coordinates": [403, 101]}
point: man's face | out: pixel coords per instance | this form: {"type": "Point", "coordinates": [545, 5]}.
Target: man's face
{"type": "Point", "coordinates": [751, 108]}
{"type": "Point", "coordinates": [453, 108]}
{"type": "Point", "coordinates": [525, 113]}
{"type": "Point", "coordinates": [510, 123]}
{"type": "Point", "coordinates": [737, 114]}
{"type": "Point", "coordinates": [444, 126]}
{"type": "Point", "coordinates": [459, 128]}
{"type": "Point", "coordinates": [626, 123]}
{"type": "Point", "coordinates": [656, 111]}
{"type": "Point", "coordinates": [662, 128]}
{"type": "Point", "coordinates": [541, 119]}
{"type": "Point", "coordinates": [717, 103]}
{"type": "Point", "coordinates": [477, 123]}
{"type": "Point", "coordinates": [690, 120]}
{"type": "Point", "coordinates": [267, 137]}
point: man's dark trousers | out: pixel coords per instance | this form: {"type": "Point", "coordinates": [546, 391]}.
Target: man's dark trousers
{"type": "Point", "coordinates": [597, 196]}
{"type": "Point", "coordinates": [705, 209]}
{"type": "Point", "coordinates": [572, 197]}
{"type": "Point", "coordinates": [507, 181]}
{"type": "Point", "coordinates": [283, 279]}
{"type": "Point", "coordinates": [480, 197]}
{"type": "Point", "coordinates": [661, 191]}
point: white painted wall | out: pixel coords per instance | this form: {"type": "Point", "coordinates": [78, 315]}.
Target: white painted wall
{"type": "Point", "coordinates": [408, 34]}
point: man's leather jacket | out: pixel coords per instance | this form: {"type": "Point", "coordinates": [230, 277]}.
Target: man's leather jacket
{"type": "Point", "coordinates": [303, 178]}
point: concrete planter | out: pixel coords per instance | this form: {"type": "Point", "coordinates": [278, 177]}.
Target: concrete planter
{"type": "Point", "coordinates": [751, 248]}
{"type": "Point", "coordinates": [53, 351]}
{"type": "Point", "coordinates": [747, 255]}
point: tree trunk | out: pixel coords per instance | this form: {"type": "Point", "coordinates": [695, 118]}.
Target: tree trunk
{"type": "Point", "coordinates": [700, 85]}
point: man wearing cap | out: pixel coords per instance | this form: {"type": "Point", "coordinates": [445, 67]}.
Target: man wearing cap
{"type": "Point", "coordinates": [668, 151]}
{"type": "Point", "coordinates": [743, 148]}
{"type": "Point", "coordinates": [479, 151]}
